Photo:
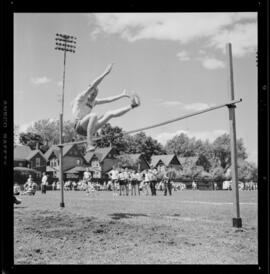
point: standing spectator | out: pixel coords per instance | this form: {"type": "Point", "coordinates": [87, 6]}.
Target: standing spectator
{"type": "Point", "coordinates": [170, 176]}
{"type": "Point", "coordinates": [194, 185]}
{"type": "Point", "coordinates": [121, 181]}
{"type": "Point", "coordinates": [114, 179]}
{"type": "Point", "coordinates": [146, 182]}
{"type": "Point", "coordinates": [152, 173]}
{"type": "Point", "coordinates": [44, 182]}
{"type": "Point", "coordinates": [134, 183]}
{"type": "Point", "coordinates": [126, 180]}
{"type": "Point", "coordinates": [139, 179]}
{"type": "Point", "coordinates": [87, 175]}
{"type": "Point", "coordinates": [53, 185]}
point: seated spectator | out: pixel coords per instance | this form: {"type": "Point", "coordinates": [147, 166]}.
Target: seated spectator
{"type": "Point", "coordinates": [30, 187]}
{"type": "Point", "coordinates": [16, 189]}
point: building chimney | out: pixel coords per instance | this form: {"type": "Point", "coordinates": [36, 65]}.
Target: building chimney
{"type": "Point", "coordinates": [37, 146]}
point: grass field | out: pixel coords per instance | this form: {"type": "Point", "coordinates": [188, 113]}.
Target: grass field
{"type": "Point", "coordinates": [190, 227]}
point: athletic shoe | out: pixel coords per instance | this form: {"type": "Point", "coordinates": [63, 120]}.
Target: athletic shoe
{"type": "Point", "coordinates": [135, 101]}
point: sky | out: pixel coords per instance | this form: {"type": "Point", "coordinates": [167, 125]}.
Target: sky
{"type": "Point", "coordinates": [175, 62]}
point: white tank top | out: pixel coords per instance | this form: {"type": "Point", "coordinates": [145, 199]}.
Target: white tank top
{"type": "Point", "coordinates": [82, 106]}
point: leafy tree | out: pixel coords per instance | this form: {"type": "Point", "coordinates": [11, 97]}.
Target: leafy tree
{"type": "Point", "coordinates": [31, 139]}
{"type": "Point", "coordinates": [222, 150]}
{"type": "Point", "coordinates": [192, 171]}
{"type": "Point", "coordinates": [180, 145]}
{"type": "Point", "coordinates": [126, 161]}
{"type": "Point", "coordinates": [48, 129]}
{"type": "Point", "coordinates": [146, 145]}
{"type": "Point", "coordinates": [111, 136]}
{"type": "Point", "coordinates": [246, 171]}
{"type": "Point", "coordinates": [217, 173]}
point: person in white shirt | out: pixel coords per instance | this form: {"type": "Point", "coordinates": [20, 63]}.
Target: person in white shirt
{"type": "Point", "coordinates": [44, 182]}
{"type": "Point", "coordinates": [87, 175]}
{"type": "Point", "coordinates": [138, 180]}
{"type": "Point", "coordinates": [133, 179]}
{"type": "Point", "coordinates": [86, 122]}
{"type": "Point", "coordinates": [114, 178]}
{"type": "Point", "coordinates": [126, 180]}
{"type": "Point", "coordinates": [146, 182]}
{"type": "Point", "coordinates": [121, 177]}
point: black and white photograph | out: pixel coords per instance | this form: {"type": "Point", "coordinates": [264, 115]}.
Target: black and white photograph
{"type": "Point", "coordinates": [135, 138]}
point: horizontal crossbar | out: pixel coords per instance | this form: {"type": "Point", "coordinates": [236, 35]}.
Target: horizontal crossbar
{"type": "Point", "coordinates": [228, 104]}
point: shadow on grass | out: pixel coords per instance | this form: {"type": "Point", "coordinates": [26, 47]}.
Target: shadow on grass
{"type": "Point", "coordinates": [117, 216]}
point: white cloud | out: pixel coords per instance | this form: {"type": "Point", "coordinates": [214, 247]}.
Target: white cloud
{"type": "Point", "coordinates": [196, 106]}
{"type": "Point", "coordinates": [243, 38]}
{"type": "Point", "coordinates": [217, 28]}
{"type": "Point", "coordinates": [193, 106]}
{"type": "Point", "coordinates": [40, 80]}
{"type": "Point", "coordinates": [211, 62]}
{"type": "Point", "coordinates": [183, 56]}
{"type": "Point", "coordinates": [203, 135]}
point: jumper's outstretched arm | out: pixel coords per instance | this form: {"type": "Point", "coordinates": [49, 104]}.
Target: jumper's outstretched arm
{"type": "Point", "coordinates": [111, 98]}
{"type": "Point", "coordinates": [97, 81]}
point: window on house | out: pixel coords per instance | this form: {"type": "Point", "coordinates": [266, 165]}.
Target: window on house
{"type": "Point", "coordinates": [37, 162]}
{"type": "Point", "coordinates": [95, 164]}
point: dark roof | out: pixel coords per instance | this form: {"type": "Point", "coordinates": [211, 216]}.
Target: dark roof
{"type": "Point", "coordinates": [33, 153]}
{"type": "Point", "coordinates": [166, 159]}
{"type": "Point", "coordinates": [188, 160]}
{"type": "Point", "coordinates": [101, 153]}
{"type": "Point", "coordinates": [24, 153]}
{"type": "Point", "coordinates": [56, 150]}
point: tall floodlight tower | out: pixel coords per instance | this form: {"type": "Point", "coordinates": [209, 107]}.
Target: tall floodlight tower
{"type": "Point", "coordinates": [65, 43]}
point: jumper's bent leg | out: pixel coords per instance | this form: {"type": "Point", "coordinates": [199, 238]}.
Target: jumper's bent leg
{"type": "Point", "coordinates": [111, 114]}
{"type": "Point", "coordinates": [135, 102]}
{"type": "Point", "coordinates": [88, 127]}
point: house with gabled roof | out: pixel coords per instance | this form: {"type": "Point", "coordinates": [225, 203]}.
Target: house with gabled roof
{"type": "Point", "coordinates": [138, 161]}
{"type": "Point", "coordinates": [169, 160]}
{"type": "Point", "coordinates": [198, 160]}
{"type": "Point", "coordinates": [103, 158]}
{"type": "Point", "coordinates": [72, 157]}
{"type": "Point", "coordinates": [25, 157]}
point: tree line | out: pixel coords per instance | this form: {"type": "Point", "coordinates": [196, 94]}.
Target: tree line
{"type": "Point", "coordinates": [45, 133]}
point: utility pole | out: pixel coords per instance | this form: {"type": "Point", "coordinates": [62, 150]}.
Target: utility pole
{"type": "Point", "coordinates": [237, 221]}
{"type": "Point", "coordinates": [64, 43]}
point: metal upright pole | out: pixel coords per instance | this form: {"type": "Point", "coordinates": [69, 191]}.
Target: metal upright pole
{"type": "Point", "coordinates": [237, 221]}
{"type": "Point", "coordinates": [64, 43]}
{"type": "Point", "coordinates": [62, 204]}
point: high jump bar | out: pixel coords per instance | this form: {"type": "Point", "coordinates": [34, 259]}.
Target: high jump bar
{"type": "Point", "coordinates": [228, 104]}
